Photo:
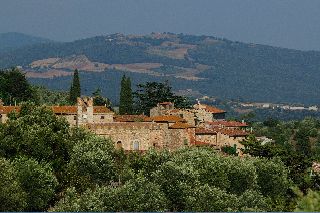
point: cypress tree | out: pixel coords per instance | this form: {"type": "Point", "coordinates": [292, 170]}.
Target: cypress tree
{"type": "Point", "coordinates": [75, 89]}
{"type": "Point", "coordinates": [126, 98]}
{"type": "Point", "coordinates": [129, 96]}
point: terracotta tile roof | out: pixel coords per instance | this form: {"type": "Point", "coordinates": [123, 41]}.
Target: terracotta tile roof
{"type": "Point", "coordinates": [131, 118]}
{"type": "Point", "coordinates": [233, 132]}
{"type": "Point", "coordinates": [167, 119]}
{"type": "Point", "coordinates": [227, 123]}
{"type": "Point", "coordinates": [208, 108]}
{"type": "Point", "coordinates": [200, 130]}
{"type": "Point", "coordinates": [101, 109]}
{"type": "Point", "coordinates": [225, 131]}
{"type": "Point", "coordinates": [57, 109]}
{"type": "Point", "coordinates": [8, 109]}
{"type": "Point", "coordinates": [64, 109]}
{"type": "Point", "coordinates": [214, 110]}
{"type": "Point", "coordinates": [180, 125]}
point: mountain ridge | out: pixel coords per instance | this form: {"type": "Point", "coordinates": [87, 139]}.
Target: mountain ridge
{"type": "Point", "coordinates": [205, 64]}
{"type": "Point", "coordinates": [14, 40]}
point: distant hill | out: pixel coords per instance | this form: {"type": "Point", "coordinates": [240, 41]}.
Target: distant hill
{"type": "Point", "coordinates": [13, 40]}
{"type": "Point", "coordinates": [194, 65]}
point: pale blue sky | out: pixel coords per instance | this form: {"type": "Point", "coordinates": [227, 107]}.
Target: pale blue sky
{"type": "Point", "coordinates": [285, 23]}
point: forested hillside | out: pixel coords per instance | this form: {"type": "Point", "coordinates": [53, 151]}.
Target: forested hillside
{"type": "Point", "coordinates": [205, 64]}
{"type": "Point", "coordinates": [10, 41]}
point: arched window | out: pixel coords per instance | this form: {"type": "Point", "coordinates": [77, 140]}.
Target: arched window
{"type": "Point", "coordinates": [136, 145]}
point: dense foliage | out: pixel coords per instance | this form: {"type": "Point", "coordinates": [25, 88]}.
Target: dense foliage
{"type": "Point", "coordinates": [14, 87]}
{"type": "Point", "coordinates": [186, 180]}
{"type": "Point", "coordinates": [48, 97]}
{"type": "Point", "coordinates": [99, 100]}
{"type": "Point", "coordinates": [148, 95]}
{"type": "Point", "coordinates": [309, 203]}
{"type": "Point", "coordinates": [296, 143]}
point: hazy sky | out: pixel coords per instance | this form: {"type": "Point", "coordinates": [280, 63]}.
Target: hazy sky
{"type": "Point", "coordinates": [286, 23]}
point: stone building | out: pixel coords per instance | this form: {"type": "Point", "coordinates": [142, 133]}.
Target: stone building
{"type": "Point", "coordinates": [211, 128]}
{"type": "Point", "coordinates": [200, 113]}
{"type": "Point", "coordinates": [166, 128]}
{"type": "Point", "coordinates": [206, 113]}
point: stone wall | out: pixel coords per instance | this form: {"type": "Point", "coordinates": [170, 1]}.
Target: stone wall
{"type": "Point", "coordinates": [84, 111]}
{"type": "Point", "coordinates": [143, 135]}
{"type": "Point", "coordinates": [71, 119]}
{"type": "Point", "coordinates": [219, 140]}
{"type": "Point", "coordinates": [203, 116]}
{"type": "Point", "coordinates": [177, 138]}
{"type": "Point", "coordinates": [86, 114]}
{"type": "Point", "coordinates": [225, 140]}
{"type": "Point", "coordinates": [208, 138]}
{"type": "Point", "coordinates": [131, 136]}
{"type": "Point", "coordinates": [103, 117]}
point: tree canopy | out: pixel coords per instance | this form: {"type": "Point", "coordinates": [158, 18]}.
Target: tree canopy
{"type": "Point", "coordinates": [14, 87]}
{"type": "Point", "coordinates": [99, 100]}
{"type": "Point", "coordinates": [148, 95]}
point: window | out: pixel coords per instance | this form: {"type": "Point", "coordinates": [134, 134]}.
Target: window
{"type": "Point", "coordinates": [181, 115]}
{"type": "Point", "coordinates": [136, 145]}
{"type": "Point", "coordinates": [102, 117]}
{"type": "Point", "coordinates": [75, 117]}
{"type": "Point", "coordinates": [119, 145]}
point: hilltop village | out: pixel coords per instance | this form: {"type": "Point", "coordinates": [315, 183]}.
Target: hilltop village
{"type": "Point", "coordinates": [166, 128]}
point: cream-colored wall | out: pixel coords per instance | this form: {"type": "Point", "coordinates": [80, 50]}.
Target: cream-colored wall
{"type": "Point", "coordinates": [156, 111]}
{"type": "Point", "coordinates": [3, 118]}
{"type": "Point", "coordinates": [207, 138]}
{"type": "Point", "coordinates": [108, 117]}
{"type": "Point", "coordinates": [72, 119]}
{"type": "Point", "coordinates": [203, 116]}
